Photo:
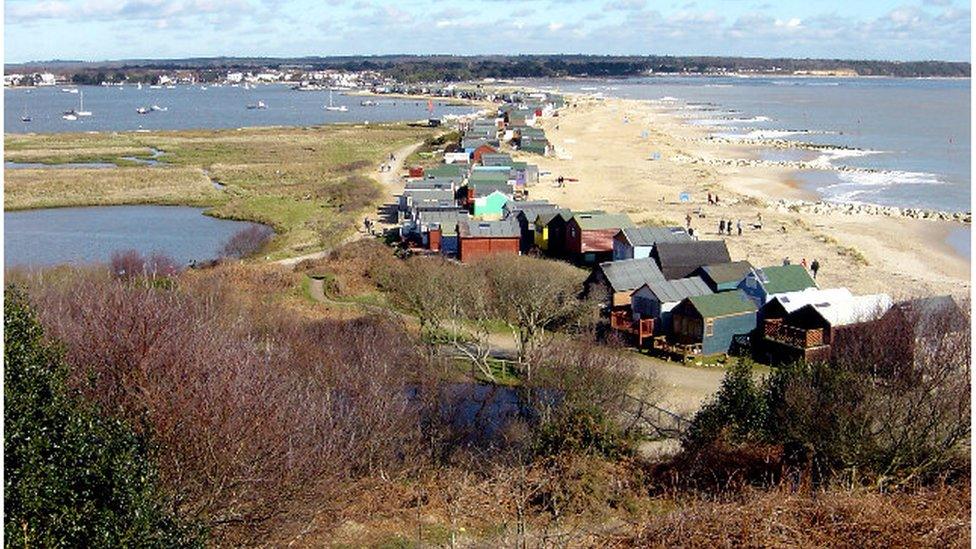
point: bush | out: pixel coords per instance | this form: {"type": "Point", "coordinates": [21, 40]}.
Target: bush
{"type": "Point", "coordinates": [246, 241]}
{"type": "Point", "coordinates": [72, 476]}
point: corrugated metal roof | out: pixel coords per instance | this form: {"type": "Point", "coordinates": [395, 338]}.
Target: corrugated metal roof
{"type": "Point", "coordinates": [598, 221]}
{"type": "Point", "coordinates": [669, 291]}
{"type": "Point", "coordinates": [792, 301]}
{"type": "Point", "coordinates": [861, 308]}
{"type": "Point", "coordinates": [630, 274]}
{"type": "Point", "coordinates": [545, 218]}
{"type": "Point", "coordinates": [426, 195]}
{"type": "Point", "coordinates": [722, 304]}
{"type": "Point", "coordinates": [648, 236]}
{"type": "Point", "coordinates": [491, 229]}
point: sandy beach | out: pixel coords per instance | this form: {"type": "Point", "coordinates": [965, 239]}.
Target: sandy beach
{"type": "Point", "coordinates": [636, 157]}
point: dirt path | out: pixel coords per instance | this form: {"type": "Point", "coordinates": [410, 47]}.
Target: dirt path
{"type": "Point", "coordinates": [392, 182]}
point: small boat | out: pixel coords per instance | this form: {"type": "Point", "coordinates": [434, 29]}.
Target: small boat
{"type": "Point", "coordinates": [258, 105]}
{"type": "Point", "coordinates": [368, 103]}
{"type": "Point", "coordinates": [139, 85]}
{"type": "Point", "coordinates": [25, 117]}
{"type": "Point", "coordinates": [332, 107]}
{"type": "Point", "coordinates": [203, 88]}
{"type": "Point", "coordinates": [70, 115]}
{"type": "Point", "coordinates": [170, 87]}
{"type": "Point", "coordinates": [159, 109]}
{"type": "Point", "coordinates": [142, 110]}
{"type": "Point", "coordinates": [69, 90]}
{"type": "Point", "coordinates": [81, 106]}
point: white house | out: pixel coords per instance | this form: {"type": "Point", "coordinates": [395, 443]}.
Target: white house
{"type": "Point", "coordinates": [637, 242]}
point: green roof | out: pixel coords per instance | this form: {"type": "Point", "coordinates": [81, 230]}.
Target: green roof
{"type": "Point", "coordinates": [446, 170]}
{"type": "Point", "coordinates": [722, 304]}
{"type": "Point", "coordinates": [598, 221]}
{"type": "Point", "coordinates": [786, 278]}
{"type": "Point", "coordinates": [487, 177]}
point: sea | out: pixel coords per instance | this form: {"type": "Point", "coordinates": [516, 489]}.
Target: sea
{"type": "Point", "coordinates": [912, 134]}
{"type": "Point", "coordinates": [200, 107]}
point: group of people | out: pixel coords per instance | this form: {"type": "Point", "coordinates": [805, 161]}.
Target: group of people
{"type": "Point", "coordinates": [725, 227]}
{"type": "Point", "coordinates": [814, 265]}
{"type": "Point", "coordinates": [389, 166]}
{"type": "Point", "coordinates": [712, 199]}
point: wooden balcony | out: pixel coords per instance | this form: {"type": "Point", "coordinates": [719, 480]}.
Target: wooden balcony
{"type": "Point", "coordinates": [799, 338]}
{"type": "Point", "coordinates": [623, 321]}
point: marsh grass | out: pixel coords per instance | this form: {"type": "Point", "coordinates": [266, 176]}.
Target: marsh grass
{"type": "Point", "coordinates": [310, 184]}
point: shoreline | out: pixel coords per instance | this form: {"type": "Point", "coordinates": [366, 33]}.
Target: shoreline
{"type": "Point", "coordinates": [609, 144]}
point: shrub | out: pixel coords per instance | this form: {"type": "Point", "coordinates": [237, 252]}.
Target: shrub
{"type": "Point", "coordinates": [72, 476]}
{"type": "Point", "coordinates": [246, 241]}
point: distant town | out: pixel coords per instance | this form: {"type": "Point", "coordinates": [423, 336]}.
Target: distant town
{"type": "Point", "coordinates": [349, 71]}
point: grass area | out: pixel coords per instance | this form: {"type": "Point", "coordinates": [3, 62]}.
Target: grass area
{"type": "Point", "coordinates": [311, 184]}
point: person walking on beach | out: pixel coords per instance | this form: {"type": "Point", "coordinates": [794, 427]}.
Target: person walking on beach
{"type": "Point", "coordinates": [728, 227]}
{"type": "Point", "coordinates": [738, 226]}
{"type": "Point", "coordinates": [716, 199]}
{"type": "Point", "coordinates": [804, 262]}
{"type": "Point", "coordinates": [759, 219]}
{"type": "Point", "coordinates": [710, 201]}
{"type": "Point", "coordinates": [815, 266]}
{"type": "Point", "coordinates": [721, 226]}
{"type": "Point", "coordinates": [688, 220]}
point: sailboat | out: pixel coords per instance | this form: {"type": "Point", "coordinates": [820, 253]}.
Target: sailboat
{"type": "Point", "coordinates": [138, 85]}
{"type": "Point", "coordinates": [259, 105]}
{"type": "Point", "coordinates": [26, 117]}
{"type": "Point", "coordinates": [81, 106]}
{"type": "Point", "coordinates": [332, 107]}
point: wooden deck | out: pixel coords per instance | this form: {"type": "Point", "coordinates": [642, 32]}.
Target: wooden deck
{"type": "Point", "coordinates": [639, 330]}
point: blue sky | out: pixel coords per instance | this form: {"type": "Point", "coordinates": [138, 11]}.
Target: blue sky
{"type": "Point", "coordinates": [115, 29]}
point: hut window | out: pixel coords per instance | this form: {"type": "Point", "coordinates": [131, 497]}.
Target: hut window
{"type": "Point", "coordinates": [709, 328]}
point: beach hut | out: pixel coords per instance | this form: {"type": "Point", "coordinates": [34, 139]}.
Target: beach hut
{"type": "Point", "coordinates": [617, 280]}
{"type": "Point", "coordinates": [481, 150]}
{"type": "Point", "coordinates": [438, 229]}
{"type": "Point", "coordinates": [478, 239]}
{"type": "Point", "coordinates": [542, 227]}
{"type": "Point", "coordinates": [491, 204]}
{"type": "Point", "coordinates": [809, 331]}
{"type": "Point", "coordinates": [496, 159]}
{"type": "Point", "coordinates": [656, 299]}
{"type": "Point", "coordinates": [525, 213]}
{"type": "Point", "coordinates": [682, 259]}
{"type": "Point", "coordinates": [589, 236]}
{"type": "Point", "coordinates": [708, 324]}
{"type": "Point", "coordinates": [762, 284]}
{"type": "Point", "coordinates": [722, 277]}
{"type": "Point", "coordinates": [637, 242]}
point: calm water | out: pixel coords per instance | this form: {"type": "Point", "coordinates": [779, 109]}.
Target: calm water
{"type": "Point", "coordinates": [190, 107]}
{"type": "Point", "coordinates": [917, 131]}
{"type": "Point", "coordinates": [37, 238]}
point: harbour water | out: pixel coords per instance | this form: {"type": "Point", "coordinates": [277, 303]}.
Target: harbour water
{"type": "Point", "coordinates": [40, 238]}
{"type": "Point", "coordinates": [193, 107]}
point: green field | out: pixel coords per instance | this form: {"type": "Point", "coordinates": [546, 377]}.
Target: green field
{"type": "Point", "coordinates": [311, 184]}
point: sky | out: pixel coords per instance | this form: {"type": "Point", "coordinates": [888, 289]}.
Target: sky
{"type": "Point", "coordinates": [95, 30]}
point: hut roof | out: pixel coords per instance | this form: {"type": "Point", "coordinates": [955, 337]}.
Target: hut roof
{"type": "Point", "coordinates": [724, 273]}
{"type": "Point", "coordinates": [861, 308]}
{"type": "Point", "coordinates": [722, 304]}
{"type": "Point", "coordinates": [648, 236]}
{"type": "Point", "coordinates": [679, 259]}
{"type": "Point", "coordinates": [592, 221]}
{"type": "Point", "coordinates": [631, 274]}
{"type": "Point", "coordinates": [784, 278]}
{"type": "Point", "coordinates": [669, 291]}
{"type": "Point", "coordinates": [489, 229]}
{"type": "Point", "coordinates": [792, 301]}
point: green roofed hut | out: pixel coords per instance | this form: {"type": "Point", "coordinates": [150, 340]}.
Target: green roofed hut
{"type": "Point", "coordinates": [762, 285]}
{"type": "Point", "coordinates": [709, 324]}
{"type": "Point", "coordinates": [723, 277]}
